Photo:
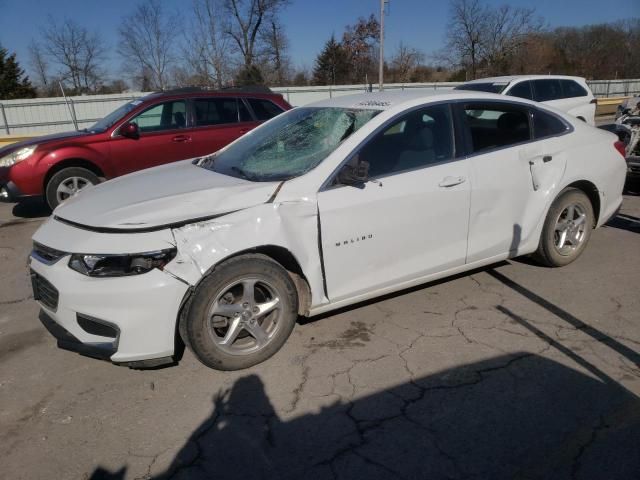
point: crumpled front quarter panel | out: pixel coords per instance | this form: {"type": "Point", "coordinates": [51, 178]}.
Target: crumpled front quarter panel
{"type": "Point", "coordinates": [291, 225]}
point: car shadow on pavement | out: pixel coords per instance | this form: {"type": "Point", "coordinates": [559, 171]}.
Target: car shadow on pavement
{"type": "Point", "coordinates": [625, 222]}
{"type": "Point", "coordinates": [574, 322]}
{"type": "Point", "coordinates": [512, 416]}
{"type": "Point", "coordinates": [31, 208]}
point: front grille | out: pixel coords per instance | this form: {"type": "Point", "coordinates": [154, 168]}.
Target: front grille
{"type": "Point", "coordinates": [43, 291]}
{"type": "Point", "coordinates": [45, 254]}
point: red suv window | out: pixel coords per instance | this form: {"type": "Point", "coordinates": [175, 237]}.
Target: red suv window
{"type": "Point", "coordinates": [264, 109]}
{"type": "Point", "coordinates": [163, 116]}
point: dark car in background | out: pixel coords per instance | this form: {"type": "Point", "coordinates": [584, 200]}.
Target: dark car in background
{"type": "Point", "coordinates": [153, 130]}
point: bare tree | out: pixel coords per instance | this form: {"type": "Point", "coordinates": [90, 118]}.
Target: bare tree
{"type": "Point", "coordinates": [467, 23]}
{"type": "Point", "coordinates": [405, 61]}
{"type": "Point", "coordinates": [361, 42]}
{"type": "Point", "coordinates": [505, 31]}
{"type": "Point", "coordinates": [77, 52]}
{"type": "Point", "coordinates": [206, 48]}
{"type": "Point", "coordinates": [148, 42]}
{"type": "Point", "coordinates": [246, 21]}
{"type": "Point", "coordinates": [39, 65]}
{"type": "Point", "coordinates": [274, 53]}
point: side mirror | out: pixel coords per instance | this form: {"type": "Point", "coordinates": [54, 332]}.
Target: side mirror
{"type": "Point", "coordinates": [354, 175]}
{"type": "Point", "coordinates": [130, 130]}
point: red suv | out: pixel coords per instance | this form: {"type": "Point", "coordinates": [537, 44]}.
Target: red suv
{"type": "Point", "coordinates": [157, 129]}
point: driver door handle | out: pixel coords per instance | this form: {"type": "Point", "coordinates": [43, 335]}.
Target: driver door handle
{"type": "Point", "coordinates": [451, 181]}
{"type": "Point", "coordinates": [181, 138]}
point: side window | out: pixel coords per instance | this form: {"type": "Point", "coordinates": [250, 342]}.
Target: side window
{"type": "Point", "coordinates": [245, 116]}
{"type": "Point", "coordinates": [496, 125]}
{"type": "Point", "coordinates": [264, 109]}
{"type": "Point", "coordinates": [522, 90]}
{"type": "Point", "coordinates": [216, 111]}
{"type": "Point", "coordinates": [547, 125]}
{"type": "Point", "coordinates": [420, 138]}
{"type": "Point", "coordinates": [572, 89]}
{"type": "Point", "coordinates": [546, 90]}
{"type": "Point", "coordinates": [163, 116]}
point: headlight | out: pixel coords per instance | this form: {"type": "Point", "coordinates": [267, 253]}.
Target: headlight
{"type": "Point", "coordinates": [120, 265]}
{"type": "Point", "coordinates": [17, 156]}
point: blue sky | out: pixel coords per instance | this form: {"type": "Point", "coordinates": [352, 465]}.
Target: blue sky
{"type": "Point", "coordinates": [308, 23]}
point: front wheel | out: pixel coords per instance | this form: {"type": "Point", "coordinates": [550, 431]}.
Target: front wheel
{"type": "Point", "coordinates": [241, 314]}
{"type": "Point", "coordinates": [68, 182]}
{"type": "Point", "coordinates": [567, 229]}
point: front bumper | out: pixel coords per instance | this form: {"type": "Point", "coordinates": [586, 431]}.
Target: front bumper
{"type": "Point", "coordinates": [10, 193]}
{"type": "Point", "coordinates": [126, 320]}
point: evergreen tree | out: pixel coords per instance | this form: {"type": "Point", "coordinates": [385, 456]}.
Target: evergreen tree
{"type": "Point", "coordinates": [249, 75]}
{"type": "Point", "coordinates": [332, 65]}
{"type": "Point", "coordinates": [13, 82]}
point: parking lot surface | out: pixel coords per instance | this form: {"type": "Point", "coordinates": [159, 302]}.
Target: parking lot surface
{"type": "Point", "coordinates": [512, 371]}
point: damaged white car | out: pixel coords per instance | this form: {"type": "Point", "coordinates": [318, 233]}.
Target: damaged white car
{"type": "Point", "coordinates": [322, 207]}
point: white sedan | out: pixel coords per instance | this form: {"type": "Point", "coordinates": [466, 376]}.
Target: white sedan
{"type": "Point", "coordinates": [322, 207]}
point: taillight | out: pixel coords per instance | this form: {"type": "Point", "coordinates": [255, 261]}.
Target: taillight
{"type": "Point", "coordinates": [620, 148]}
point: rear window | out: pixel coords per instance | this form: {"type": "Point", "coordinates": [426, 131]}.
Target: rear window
{"type": "Point", "coordinates": [490, 87]}
{"type": "Point", "coordinates": [264, 109]}
{"type": "Point", "coordinates": [572, 89]}
{"type": "Point", "coordinates": [547, 125]}
{"type": "Point", "coordinates": [497, 125]}
{"type": "Point", "coordinates": [522, 90]}
{"type": "Point", "coordinates": [546, 90]}
{"type": "Point", "coordinates": [216, 111]}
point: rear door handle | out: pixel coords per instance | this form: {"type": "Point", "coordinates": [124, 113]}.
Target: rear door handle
{"type": "Point", "coordinates": [181, 138]}
{"type": "Point", "coordinates": [451, 181]}
{"type": "Point", "coordinates": [547, 158]}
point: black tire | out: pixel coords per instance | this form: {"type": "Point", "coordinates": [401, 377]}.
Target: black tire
{"type": "Point", "coordinates": [51, 190]}
{"type": "Point", "coordinates": [548, 252]}
{"type": "Point", "coordinates": [202, 330]}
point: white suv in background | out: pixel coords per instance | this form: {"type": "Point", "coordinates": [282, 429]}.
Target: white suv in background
{"type": "Point", "coordinates": [569, 94]}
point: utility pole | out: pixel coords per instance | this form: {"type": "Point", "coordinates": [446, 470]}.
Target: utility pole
{"type": "Point", "coordinates": [381, 67]}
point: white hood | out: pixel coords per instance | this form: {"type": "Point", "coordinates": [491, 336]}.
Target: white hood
{"type": "Point", "coordinates": [162, 196]}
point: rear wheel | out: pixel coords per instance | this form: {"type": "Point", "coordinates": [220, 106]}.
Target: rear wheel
{"type": "Point", "coordinates": [68, 182]}
{"type": "Point", "coordinates": [241, 314]}
{"type": "Point", "coordinates": [567, 229]}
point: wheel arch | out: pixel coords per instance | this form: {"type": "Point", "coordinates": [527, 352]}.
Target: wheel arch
{"type": "Point", "coordinates": [285, 258]}
{"type": "Point", "coordinates": [591, 191]}
{"type": "Point", "coordinates": [68, 163]}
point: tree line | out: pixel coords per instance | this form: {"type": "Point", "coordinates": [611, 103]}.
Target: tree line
{"type": "Point", "coordinates": [219, 43]}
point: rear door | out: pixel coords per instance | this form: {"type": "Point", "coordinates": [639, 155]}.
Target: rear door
{"type": "Point", "coordinates": [164, 137]}
{"type": "Point", "coordinates": [512, 173]}
{"type": "Point", "coordinates": [566, 95]}
{"type": "Point", "coordinates": [218, 121]}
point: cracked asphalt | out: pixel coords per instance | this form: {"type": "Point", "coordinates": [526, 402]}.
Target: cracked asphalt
{"type": "Point", "coordinates": [512, 371]}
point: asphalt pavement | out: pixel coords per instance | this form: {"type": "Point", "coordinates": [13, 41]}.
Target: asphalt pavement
{"type": "Point", "coordinates": [511, 371]}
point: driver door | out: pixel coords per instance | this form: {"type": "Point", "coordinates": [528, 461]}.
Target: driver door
{"type": "Point", "coordinates": [164, 137]}
{"type": "Point", "coordinates": [411, 222]}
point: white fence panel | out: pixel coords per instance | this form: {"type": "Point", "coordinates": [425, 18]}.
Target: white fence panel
{"type": "Point", "coordinates": [50, 115]}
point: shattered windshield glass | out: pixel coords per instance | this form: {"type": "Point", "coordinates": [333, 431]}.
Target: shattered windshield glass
{"type": "Point", "coordinates": [290, 145]}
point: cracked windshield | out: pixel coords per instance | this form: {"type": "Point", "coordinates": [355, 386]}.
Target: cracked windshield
{"type": "Point", "coordinates": [290, 145]}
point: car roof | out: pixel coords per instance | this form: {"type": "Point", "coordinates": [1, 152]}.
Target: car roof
{"type": "Point", "coordinates": [188, 92]}
{"type": "Point", "coordinates": [512, 78]}
{"type": "Point", "coordinates": [386, 100]}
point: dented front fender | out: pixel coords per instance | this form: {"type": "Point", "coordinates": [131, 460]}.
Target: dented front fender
{"type": "Point", "coordinates": [289, 225]}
